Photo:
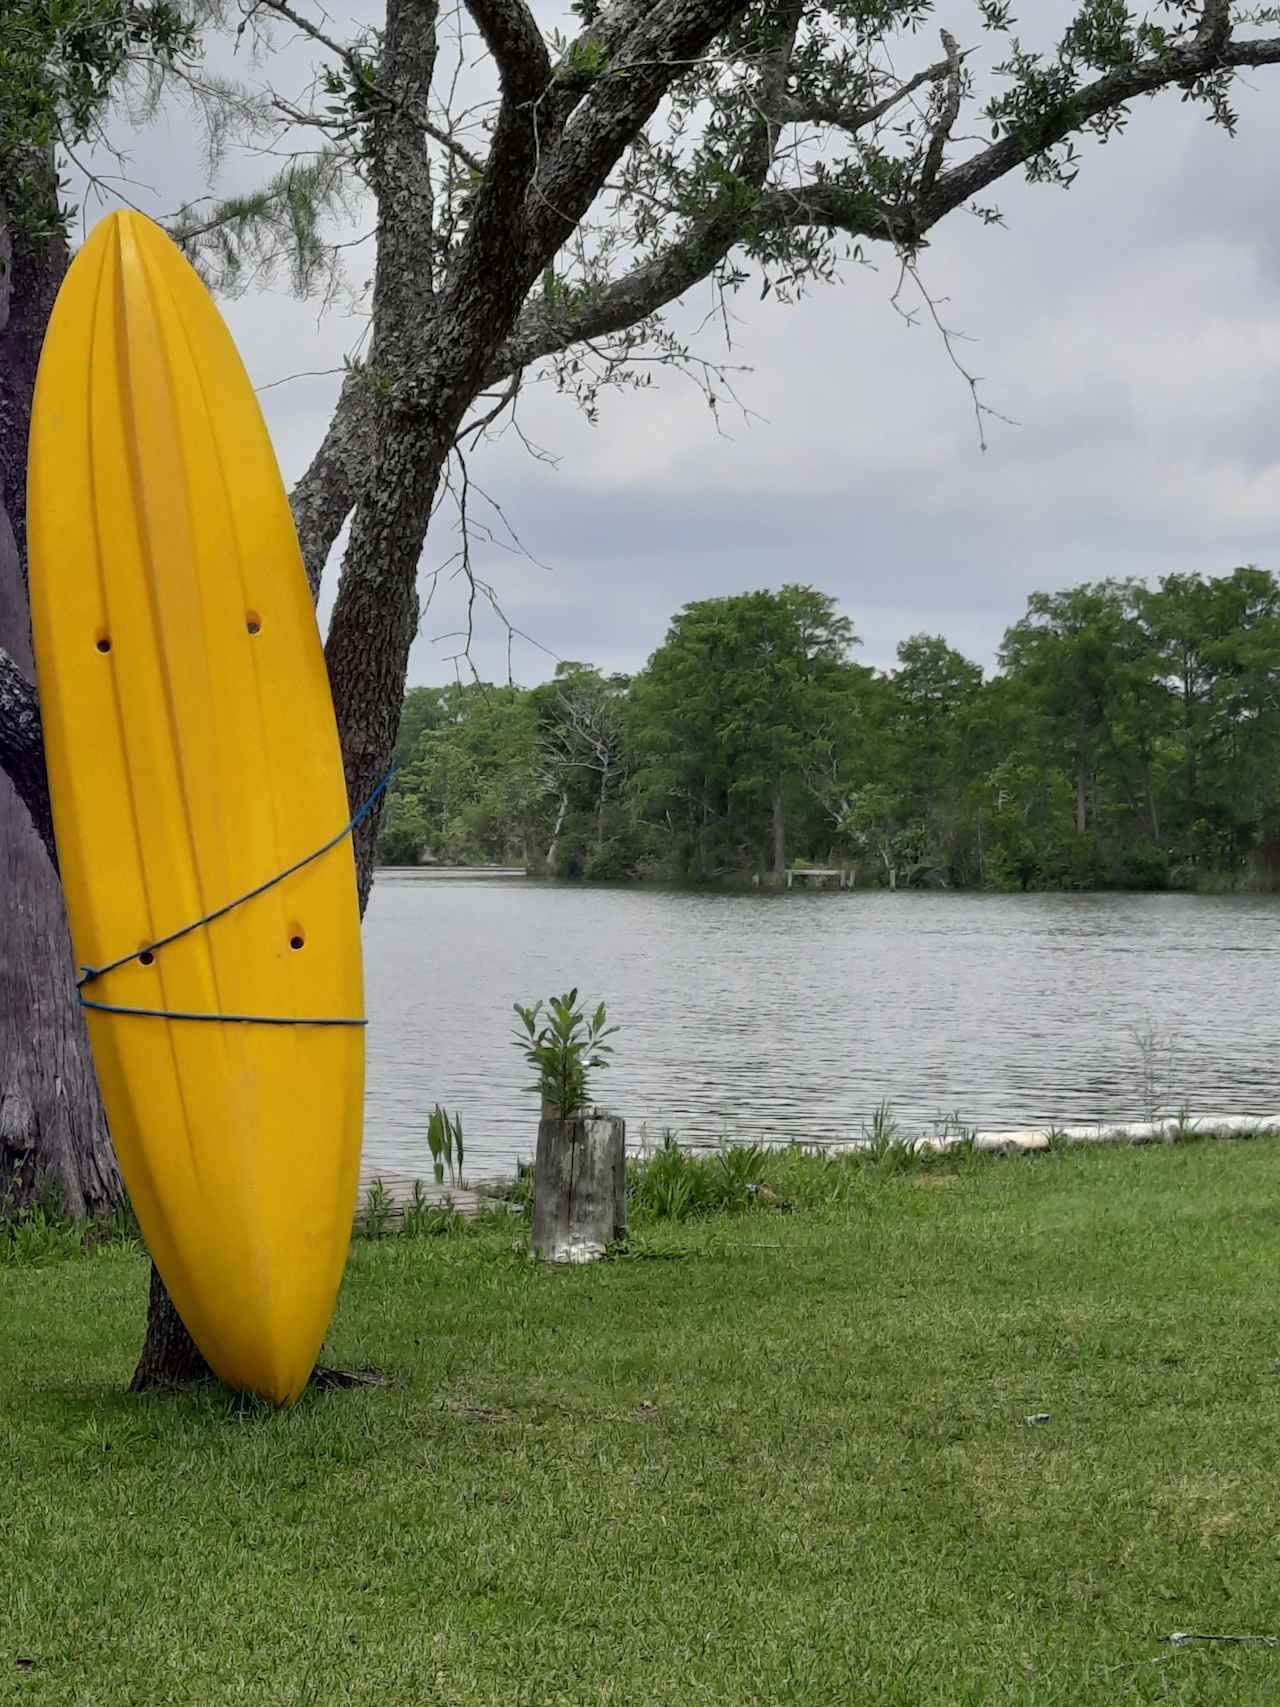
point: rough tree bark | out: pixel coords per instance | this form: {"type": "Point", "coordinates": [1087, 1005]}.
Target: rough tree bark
{"type": "Point", "coordinates": [51, 1121]}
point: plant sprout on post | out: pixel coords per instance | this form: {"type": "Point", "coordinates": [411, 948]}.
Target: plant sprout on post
{"type": "Point", "coordinates": [562, 1050]}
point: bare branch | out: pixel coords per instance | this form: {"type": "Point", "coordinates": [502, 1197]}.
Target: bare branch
{"type": "Point", "coordinates": [949, 337]}
{"type": "Point", "coordinates": [854, 119]}
{"type": "Point", "coordinates": [282, 9]}
{"type": "Point", "coordinates": [475, 429]}
{"type": "Point", "coordinates": [471, 161]}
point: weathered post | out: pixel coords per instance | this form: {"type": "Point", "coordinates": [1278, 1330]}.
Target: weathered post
{"type": "Point", "coordinates": [579, 1186]}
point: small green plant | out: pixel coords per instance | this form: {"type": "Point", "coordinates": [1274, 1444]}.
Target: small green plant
{"type": "Point", "coordinates": [886, 1146]}
{"type": "Point", "coordinates": [34, 1237]}
{"type": "Point", "coordinates": [426, 1220]}
{"type": "Point", "coordinates": [1056, 1141]}
{"type": "Point", "coordinates": [883, 1130]}
{"type": "Point", "coordinates": [121, 1226]}
{"type": "Point", "coordinates": [738, 1173]}
{"type": "Point", "coordinates": [963, 1147]}
{"type": "Point", "coordinates": [562, 1049]}
{"type": "Point", "coordinates": [518, 1191]}
{"type": "Point", "coordinates": [378, 1210]}
{"type": "Point", "coordinates": [1183, 1129]}
{"type": "Point", "coordinates": [671, 1185]}
{"type": "Point", "coordinates": [445, 1139]}
{"type": "Point", "coordinates": [35, 1227]}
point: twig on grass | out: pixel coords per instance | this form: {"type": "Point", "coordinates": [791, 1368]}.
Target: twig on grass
{"type": "Point", "coordinates": [1180, 1638]}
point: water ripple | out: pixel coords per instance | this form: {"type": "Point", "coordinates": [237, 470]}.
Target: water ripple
{"type": "Point", "coordinates": [778, 1017]}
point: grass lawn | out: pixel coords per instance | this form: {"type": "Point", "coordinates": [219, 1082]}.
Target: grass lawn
{"type": "Point", "coordinates": [786, 1460]}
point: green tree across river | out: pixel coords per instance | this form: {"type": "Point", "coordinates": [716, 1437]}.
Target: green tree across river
{"type": "Point", "coordinates": [1130, 739]}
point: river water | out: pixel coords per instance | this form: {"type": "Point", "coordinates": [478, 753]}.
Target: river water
{"type": "Point", "coordinates": [791, 1016]}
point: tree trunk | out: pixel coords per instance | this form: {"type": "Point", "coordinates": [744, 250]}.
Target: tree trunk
{"type": "Point", "coordinates": [553, 852]}
{"type": "Point", "coordinates": [579, 1187]}
{"type": "Point", "coordinates": [51, 1121]}
{"type": "Point", "coordinates": [1082, 814]}
{"type": "Point", "coordinates": [779, 836]}
{"type": "Point", "coordinates": [169, 1357]}
{"type": "Point", "coordinates": [601, 799]}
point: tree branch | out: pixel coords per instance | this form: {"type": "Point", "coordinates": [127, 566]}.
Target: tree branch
{"type": "Point", "coordinates": [471, 161]}
{"type": "Point", "coordinates": [756, 154]}
{"type": "Point", "coordinates": [664, 41]}
{"type": "Point", "coordinates": [854, 119]}
{"type": "Point", "coordinates": [475, 429]}
{"type": "Point", "coordinates": [941, 133]}
{"type": "Point", "coordinates": [1214, 29]}
{"type": "Point", "coordinates": [513, 38]}
{"type": "Point", "coordinates": [22, 749]}
{"type": "Point", "coordinates": [400, 175]}
{"type": "Point", "coordinates": [654, 284]}
{"type": "Point", "coordinates": [282, 9]}
{"type": "Point", "coordinates": [1114, 89]}
{"type": "Point", "coordinates": [325, 495]}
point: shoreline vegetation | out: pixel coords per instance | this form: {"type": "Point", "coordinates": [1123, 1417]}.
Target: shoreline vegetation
{"type": "Point", "coordinates": [674, 1181]}
{"type": "Point", "coordinates": [667, 1181]}
{"type": "Point", "coordinates": [1129, 739]}
{"type": "Point", "coordinates": [949, 1432]}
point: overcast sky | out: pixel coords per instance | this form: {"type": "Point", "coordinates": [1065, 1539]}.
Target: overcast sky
{"type": "Point", "coordinates": [1131, 326]}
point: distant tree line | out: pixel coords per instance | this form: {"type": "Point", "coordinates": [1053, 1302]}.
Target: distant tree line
{"type": "Point", "coordinates": [1129, 739]}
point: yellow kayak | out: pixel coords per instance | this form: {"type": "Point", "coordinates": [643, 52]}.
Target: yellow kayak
{"type": "Point", "coordinates": [192, 757]}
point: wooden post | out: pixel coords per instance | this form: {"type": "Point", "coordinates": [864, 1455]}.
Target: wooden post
{"type": "Point", "coordinates": [579, 1187]}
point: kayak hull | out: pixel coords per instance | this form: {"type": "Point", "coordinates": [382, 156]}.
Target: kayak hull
{"type": "Point", "coordinates": [192, 756]}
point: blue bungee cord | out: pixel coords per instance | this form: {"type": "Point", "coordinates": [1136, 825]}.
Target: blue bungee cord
{"type": "Point", "coordinates": [90, 973]}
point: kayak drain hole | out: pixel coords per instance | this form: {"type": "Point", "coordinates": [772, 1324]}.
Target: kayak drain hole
{"type": "Point", "coordinates": [295, 941]}
{"type": "Point", "coordinates": [146, 958]}
{"type": "Point", "coordinates": [253, 622]}
{"type": "Point", "coordinates": [104, 643]}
